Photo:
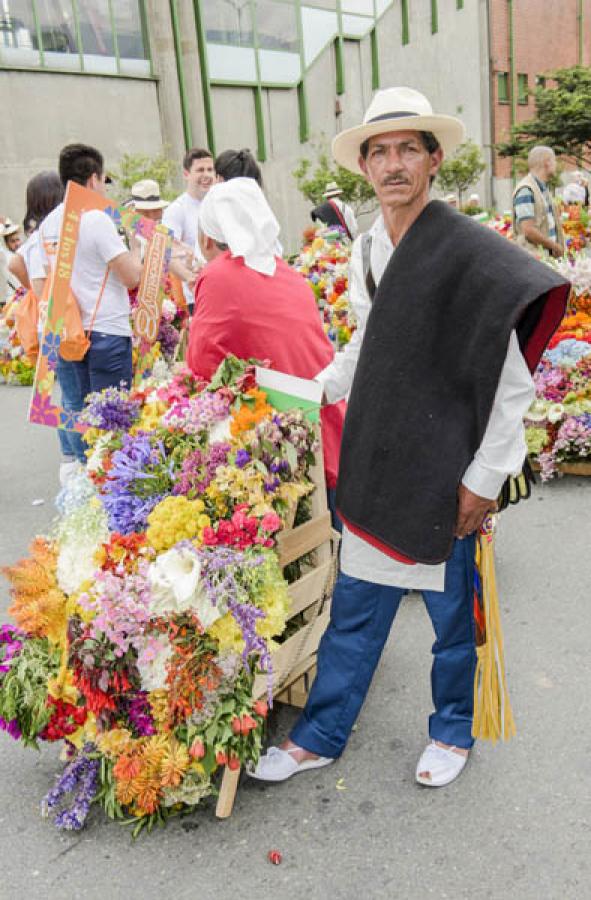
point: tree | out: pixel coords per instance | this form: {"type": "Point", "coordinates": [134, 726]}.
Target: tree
{"type": "Point", "coordinates": [312, 180]}
{"type": "Point", "coordinates": [462, 170]}
{"type": "Point", "coordinates": [136, 166]}
{"type": "Point", "coordinates": [562, 120]}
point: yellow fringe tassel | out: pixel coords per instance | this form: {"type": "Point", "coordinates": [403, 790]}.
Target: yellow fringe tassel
{"type": "Point", "coordinates": [493, 716]}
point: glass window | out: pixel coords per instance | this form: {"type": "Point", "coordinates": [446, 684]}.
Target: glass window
{"type": "Point", "coordinates": [18, 37]}
{"type": "Point", "coordinates": [96, 35]}
{"type": "Point", "coordinates": [58, 34]}
{"type": "Point", "coordinates": [228, 22]}
{"type": "Point", "coordinates": [361, 7]}
{"type": "Point", "coordinates": [128, 24]}
{"type": "Point", "coordinates": [522, 89]}
{"type": "Point", "coordinates": [356, 26]}
{"type": "Point", "coordinates": [277, 26]}
{"type": "Point", "coordinates": [319, 28]}
{"type": "Point", "coordinates": [503, 87]}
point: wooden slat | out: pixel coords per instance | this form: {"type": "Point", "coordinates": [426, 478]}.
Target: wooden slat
{"type": "Point", "coordinates": [291, 654]}
{"type": "Point", "coordinates": [303, 539]}
{"type": "Point", "coordinates": [569, 468]}
{"type": "Point", "coordinates": [298, 689]}
{"type": "Point", "coordinates": [308, 589]}
{"type": "Point", "coordinates": [227, 794]}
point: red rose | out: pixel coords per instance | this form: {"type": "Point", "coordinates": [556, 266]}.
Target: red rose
{"type": "Point", "coordinates": [236, 725]}
{"type": "Point", "coordinates": [234, 763]}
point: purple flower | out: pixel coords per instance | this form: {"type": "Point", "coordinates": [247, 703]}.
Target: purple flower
{"type": "Point", "coordinates": [11, 728]}
{"type": "Point", "coordinates": [242, 458]}
{"type": "Point", "coordinates": [141, 474]}
{"type": "Point", "coordinates": [79, 779]}
{"type": "Point", "coordinates": [168, 337]}
{"type": "Point", "coordinates": [111, 410]}
{"type": "Point", "coordinates": [138, 710]}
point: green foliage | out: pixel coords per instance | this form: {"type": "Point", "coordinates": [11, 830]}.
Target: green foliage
{"type": "Point", "coordinates": [562, 120]}
{"type": "Point", "coordinates": [462, 170]}
{"type": "Point", "coordinates": [312, 179]}
{"type": "Point", "coordinates": [23, 689]}
{"type": "Point", "coordinates": [136, 166]}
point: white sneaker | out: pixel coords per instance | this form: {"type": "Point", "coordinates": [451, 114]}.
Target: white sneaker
{"type": "Point", "coordinates": [67, 469]}
{"type": "Point", "coordinates": [279, 765]}
{"type": "Point", "coordinates": [442, 764]}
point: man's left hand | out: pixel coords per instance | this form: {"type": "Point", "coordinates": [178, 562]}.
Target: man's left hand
{"type": "Point", "coordinates": [472, 511]}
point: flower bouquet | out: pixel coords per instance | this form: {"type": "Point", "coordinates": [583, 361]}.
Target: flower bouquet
{"type": "Point", "coordinates": [144, 617]}
{"type": "Point", "coordinates": [15, 367]}
{"type": "Point", "coordinates": [324, 262]}
{"type": "Point", "coordinates": [558, 424]}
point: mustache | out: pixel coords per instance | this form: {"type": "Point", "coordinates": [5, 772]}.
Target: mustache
{"type": "Point", "coordinates": [394, 179]}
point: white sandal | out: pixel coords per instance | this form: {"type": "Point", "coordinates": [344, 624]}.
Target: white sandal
{"type": "Point", "coordinates": [442, 764]}
{"type": "Point", "coordinates": [279, 765]}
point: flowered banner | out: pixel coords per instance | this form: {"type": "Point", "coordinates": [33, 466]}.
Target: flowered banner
{"type": "Point", "coordinates": [78, 200]}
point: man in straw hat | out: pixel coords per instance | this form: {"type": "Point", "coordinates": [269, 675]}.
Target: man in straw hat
{"type": "Point", "coordinates": [451, 318]}
{"type": "Point", "coordinates": [146, 199]}
{"type": "Point", "coordinates": [335, 211]}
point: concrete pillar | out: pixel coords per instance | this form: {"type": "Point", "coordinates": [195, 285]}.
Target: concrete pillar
{"type": "Point", "coordinates": [164, 63]}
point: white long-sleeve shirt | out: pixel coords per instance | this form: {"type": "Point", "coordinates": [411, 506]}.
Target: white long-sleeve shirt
{"type": "Point", "coordinates": [500, 454]}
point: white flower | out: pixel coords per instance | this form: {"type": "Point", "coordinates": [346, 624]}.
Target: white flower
{"type": "Point", "coordinates": [175, 579]}
{"type": "Point", "coordinates": [220, 433]}
{"type": "Point", "coordinates": [152, 663]}
{"type": "Point", "coordinates": [168, 309]}
{"type": "Point", "coordinates": [555, 412]}
{"type": "Point", "coordinates": [94, 461]}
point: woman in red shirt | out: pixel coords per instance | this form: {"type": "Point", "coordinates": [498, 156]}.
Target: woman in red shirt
{"type": "Point", "coordinates": [250, 303]}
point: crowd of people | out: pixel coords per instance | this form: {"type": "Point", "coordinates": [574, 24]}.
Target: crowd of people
{"type": "Point", "coordinates": [436, 391]}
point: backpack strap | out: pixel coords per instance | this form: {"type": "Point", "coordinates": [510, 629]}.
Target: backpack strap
{"type": "Point", "coordinates": [98, 302]}
{"type": "Point", "coordinates": [370, 284]}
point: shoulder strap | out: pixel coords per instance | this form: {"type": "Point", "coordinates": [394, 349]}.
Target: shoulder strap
{"type": "Point", "coordinates": [340, 216]}
{"type": "Point", "coordinates": [98, 302]}
{"type": "Point", "coordinates": [370, 284]}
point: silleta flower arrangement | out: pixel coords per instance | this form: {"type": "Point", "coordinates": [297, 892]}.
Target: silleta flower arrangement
{"type": "Point", "coordinates": [558, 424]}
{"type": "Point", "coordinates": [143, 617]}
{"type": "Point", "coordinates": [15, 367]}
{"type": "Point", "coordinates": [324, 262]}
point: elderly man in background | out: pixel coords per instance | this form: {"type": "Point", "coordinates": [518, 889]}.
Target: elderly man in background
{"type": "Point", "coordinates": [536, 220]}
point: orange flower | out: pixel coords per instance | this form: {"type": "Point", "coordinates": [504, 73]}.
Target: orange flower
{"type": "Point", "coordinates": [38, 605]}
{"type": "Point", "coordinates": [127, 767]}
{"type": "Point", "coordinates": [245, 418]}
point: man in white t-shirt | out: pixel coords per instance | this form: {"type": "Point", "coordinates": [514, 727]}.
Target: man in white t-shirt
{"type": "Point", "coordinates": [182, 217]}
{"type": "Point", "coordinates": [103, 268]}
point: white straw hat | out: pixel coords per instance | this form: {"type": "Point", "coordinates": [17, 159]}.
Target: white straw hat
{"type": "Point", "coordinates": [8, 227]}
{"type": "Point", "coordinates": [397, 109]}
{"type": "Point", "coordinates": [332, 190]}
{"type": "Point", "coordinates": [145, 194]}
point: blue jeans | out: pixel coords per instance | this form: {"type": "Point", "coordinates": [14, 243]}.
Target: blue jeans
{"type": "Point", "coordinates": [361, 616]}
{"type": "Point", "coordinates": [107, 363]}
{"type": "Point", "coordinates": [71, 443]}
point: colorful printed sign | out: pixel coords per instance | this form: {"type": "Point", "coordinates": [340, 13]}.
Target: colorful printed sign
{"type": "Point", "coordinates": [78, 200]}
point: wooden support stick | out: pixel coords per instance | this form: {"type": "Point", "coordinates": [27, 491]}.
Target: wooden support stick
{"type": "Point", "coordinates": [227, 795]}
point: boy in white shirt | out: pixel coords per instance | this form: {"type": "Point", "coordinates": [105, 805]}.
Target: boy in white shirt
{"type": "Point", "coordinates": [102, 258]}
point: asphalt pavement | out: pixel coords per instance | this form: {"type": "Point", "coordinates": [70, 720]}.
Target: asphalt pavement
{"type": "Point", "coordinates": [517, 824]}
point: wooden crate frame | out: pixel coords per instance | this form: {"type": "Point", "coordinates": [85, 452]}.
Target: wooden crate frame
{"type": "Point", "coordinates": [570, 468]}
{"type": "Point", "coordinates": [294, 662]}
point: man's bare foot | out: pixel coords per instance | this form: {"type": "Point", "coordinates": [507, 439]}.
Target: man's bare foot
{"type": "Point", "coordinates": [298, 753]}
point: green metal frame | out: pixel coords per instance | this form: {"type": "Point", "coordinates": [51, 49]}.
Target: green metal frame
{"type": "Point", "coordinates": [178, 53]}
{"type": "Point", "coordinates": [80, 48]}
{"type": "Point", "coordinates": [405, 25]}
{"type": "Point", "coordinates": [205, 82]}
{"type": "Point", "coordinates": [459, 4]}
{"type": "Point", "coordinates": [258, 91]}
{"type": "Point", "coordinates": [522, 94]}
{"type": "Point", "coordinates": [434, 17]}
{"type": "Point", "coordinates": [581, 24]}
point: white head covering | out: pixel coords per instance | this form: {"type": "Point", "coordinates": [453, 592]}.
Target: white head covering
{"type": "Point", "coordinates": [236, 213]}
